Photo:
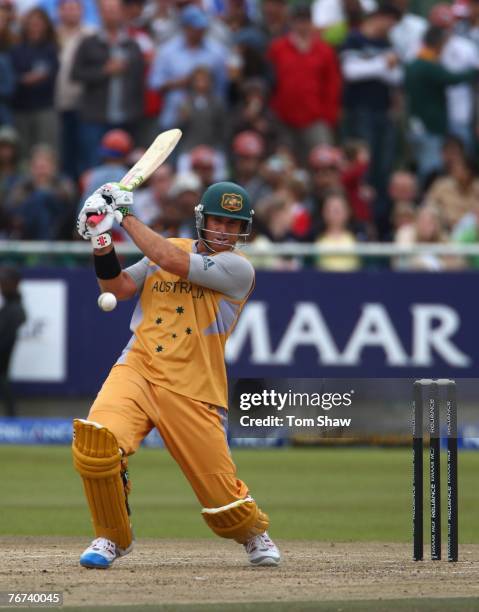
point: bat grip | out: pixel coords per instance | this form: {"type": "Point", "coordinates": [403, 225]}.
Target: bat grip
{"type": "Point", "coordinates": [94, 220]}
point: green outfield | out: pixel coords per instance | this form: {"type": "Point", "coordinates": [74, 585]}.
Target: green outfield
{"type": "Point", "coordinates": [336, 494]}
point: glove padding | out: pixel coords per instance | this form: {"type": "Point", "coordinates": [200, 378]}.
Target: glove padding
{"type": "Point", "coordinates": [116, 197]}
{"type": "Point", "coordinates": [95, 205]}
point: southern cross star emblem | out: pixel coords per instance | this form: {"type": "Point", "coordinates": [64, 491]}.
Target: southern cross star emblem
{"type": "Point", "coordinates": [159, 348]}
{"type": "Point", "coordinates": [188, 330]}
{"type": "Point", "coordinates": [159, 320]}
{"type": "Point", "coordinates": [180, 310]}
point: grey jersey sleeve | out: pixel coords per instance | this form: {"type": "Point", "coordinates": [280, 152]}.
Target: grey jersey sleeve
{"type": "Point", "coordinates": [226, 272]}
{"type": "Point", "coordinates": [138, 272]}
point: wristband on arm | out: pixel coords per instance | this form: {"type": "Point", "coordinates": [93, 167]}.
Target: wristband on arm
{"type": "Point", "coordinates": [107, 266]}
{"type": "Point", "coordinates": [101, 241]}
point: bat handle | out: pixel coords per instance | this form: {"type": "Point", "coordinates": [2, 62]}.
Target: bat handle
{"type": "Point", "coordinates": [94, 220]}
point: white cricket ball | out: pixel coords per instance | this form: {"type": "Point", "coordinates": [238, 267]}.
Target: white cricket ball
{"type": "Point", "coordinates": [107, 302]}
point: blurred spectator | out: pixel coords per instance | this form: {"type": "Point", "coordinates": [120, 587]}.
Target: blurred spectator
{"type": "Point", "coordinates": [42, 205]}
{"type": "Point", "coordinates": [274, 223]}
{"type": "Point", "coordinates": [248, 150]}
{"type": "Point", "coordinates": [325, 163]}
{"type": "Point", "coordinates": [203, 162]}
{"type": "Point", "coordinates": [353, 178]}
{"type": "Point", "coordinates": [426, 83]}
{"type": "Point", "coordinates": [8, 35]}
{"type": "Point", "coordinates": [275, 216]}
{"type": "Point", "coordinates": [177, 59]}
{"type": "Point", "coordinates": [137, 29]}
{"type": "Point", "coordinates": [453, 149]}
{"type": "Point", "coordinates": [456, 193]}
{"type": "Point", "coordinates": [403, 222]}
{"type": "Point", "coordinates": [35, 62]}
{"type": "Point", "coordinates": [274, 18]}
{"type": "Point", "coordinates": [403, 191]}
{"type": "Point", "coordinates": [109, 65]}
{"type": "Point", "coordinates": [12, 316]}
{"type": "Point", "coordinates": [202, 114]}
{"type": "Point", "coordinates": [469, 233]}
{"type": "Point", "coordinates": [469, 25]}
{"type": "Point", "coordinates": [91, 17]}
{"type": "Point", "coordinates": [407, 35]}
{"type": "Point", "coordinates": [115, 147]}
{"type": "Point", "coordinates": [7, 88]}
{"type": "Point", "coordinates": [250, 44]}
{"type": "Point", "coordinates": [428, 228]}
{"type": "Point", "coordinates": [371, 69]}
{"type": "Point", "coordinates": [330, 13]}
{"type": "Point", "coordinates": [299, 185]}
{"type": "Point", "coordinates": [7, 76]}
{"type": "Point", "coordinates": [160, 15]}
{"type": "Point", "coordinates": [9, 171]}
{"type": "Point", "coordinates": [334, 18]}
{"type": "Point", "coordinates": [276, 172]}
{"type": "Point", "coordinates": [149, 201]}
{"type": "Point", "coordinates": [336, 217]}
{"type": "Point", "coordinates": [253, 113]}
{"type": "Point", "coordinates": [177, 209]}
{"type": "Point", "coordinates": [458, 55]}
{"type": "Point", "coordinates": [71, 32]}
{"type": "Point", "coordinates": [207, 163]}
{"type": "Point", "coordinates": [133, 11]}
{"type": "Point", "coordinates": [306, 92]}
{"type": "Point", "coordinates": [234, 14]}
{"type": "Point", "coordinates": [461, 10]}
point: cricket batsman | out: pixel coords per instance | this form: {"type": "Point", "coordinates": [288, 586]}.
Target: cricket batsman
{"type": "Point", "coordinates": [171, 375]}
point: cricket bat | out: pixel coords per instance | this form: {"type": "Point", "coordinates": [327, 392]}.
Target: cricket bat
{"type": "Point", "coordinates": [152, 159]}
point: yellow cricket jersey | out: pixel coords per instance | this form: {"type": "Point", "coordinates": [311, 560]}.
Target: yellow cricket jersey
{"type": "Point", "coordinates": [180, 331]}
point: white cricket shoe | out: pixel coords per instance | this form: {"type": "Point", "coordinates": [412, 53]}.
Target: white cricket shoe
{"type": "Point", "coordinates": [101, 553]}
{"type": "Point", "coordinates": [262, 550]}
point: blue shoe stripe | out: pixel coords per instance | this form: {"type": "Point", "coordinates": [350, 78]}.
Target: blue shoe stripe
{"type": "Point", "coordinates": [94, 560]}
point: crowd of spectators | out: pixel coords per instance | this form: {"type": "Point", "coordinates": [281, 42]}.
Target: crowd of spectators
{"type": "Point", "coordinates": [346, 121]}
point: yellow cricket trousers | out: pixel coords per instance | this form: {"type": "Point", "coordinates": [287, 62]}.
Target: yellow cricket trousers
{"type": "Point", "coordinates": [193, 432]}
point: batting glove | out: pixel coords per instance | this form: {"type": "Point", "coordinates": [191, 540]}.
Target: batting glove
{"type": "Point", "coordinates": [95, 205]}
{"type": "Point", "coordinates": [120, 200]}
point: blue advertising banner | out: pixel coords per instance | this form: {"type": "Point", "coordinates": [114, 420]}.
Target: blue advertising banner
{"type": "Point", "coordinates": [367, 324]}
{"type": "Point", "coordinates": [60, 431]}
{"type": "Point", "coordinates": [296, 324]}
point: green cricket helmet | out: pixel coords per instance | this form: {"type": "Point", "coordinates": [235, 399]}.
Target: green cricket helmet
{"type": "Point", "coordinates": [224, 199]}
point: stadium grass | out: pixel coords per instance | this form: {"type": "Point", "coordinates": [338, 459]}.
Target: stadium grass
{"type": "Point", "coordinates": [332, 494]}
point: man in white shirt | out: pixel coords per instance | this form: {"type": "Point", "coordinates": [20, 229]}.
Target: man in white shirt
{"type": "Point", "coordinates": [459, 54]}
{"type": "Point", "coordinates": [327, 13]}
{"type": "Point", "coordinates": [406, 36]}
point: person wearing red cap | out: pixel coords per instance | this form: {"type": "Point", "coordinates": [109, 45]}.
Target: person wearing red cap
{"type": "Point", "coordinates": [207, 163]}
{"type": "Point", "coordinates": [113, 151]}
{"type": "Point", "coordinates": [458, 54]}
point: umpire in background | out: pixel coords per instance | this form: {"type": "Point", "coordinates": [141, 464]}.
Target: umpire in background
{"type": "Point", "coordinates": [12, 315]}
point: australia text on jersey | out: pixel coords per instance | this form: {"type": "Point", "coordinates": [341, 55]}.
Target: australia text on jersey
{"type": "Point", "coordinates": [196, 291]}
